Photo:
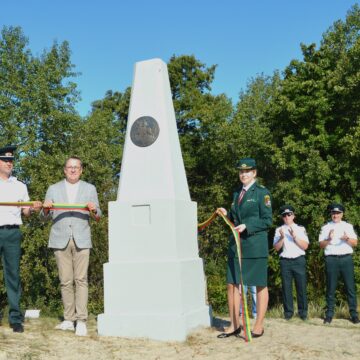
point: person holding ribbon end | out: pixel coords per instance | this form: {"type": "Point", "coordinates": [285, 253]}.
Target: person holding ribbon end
{"type": "Point", "coordinates": [70, 237]}
{"type": "Point", "coordinates": [251, 214]}
{"type": "Point", "coordinates": [12, 190]}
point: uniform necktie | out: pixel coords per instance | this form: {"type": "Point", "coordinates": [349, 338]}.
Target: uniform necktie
{"type": "Point", "coordinates": [243, 191]}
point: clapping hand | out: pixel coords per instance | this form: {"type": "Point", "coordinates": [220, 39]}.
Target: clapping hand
{"type": "Point", "coordinates": [282, 234]}
{"type": "Point", "coordinates": [292, 232]}
{"type": "Point", "coordinates": [345, 237]}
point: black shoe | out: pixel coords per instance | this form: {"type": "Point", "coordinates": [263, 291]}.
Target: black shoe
{"type": "Point", "coordinates": [303, 318]}
{"type": "Point", "coordinates": [327, 320]}
{"type": "Point", "coordinates": [355, 320]}
{"type": "Point", "coordinates": [257, 335]}
{"type": "Point", "coordinates": [226, 335]}
{"type": "Point", "coordinates": [287, 317]}
{"type": "Point", "coordinates": [17, 327]}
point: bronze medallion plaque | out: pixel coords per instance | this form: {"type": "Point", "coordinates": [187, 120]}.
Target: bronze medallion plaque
{"type": "Point", "coordinates": [144, 131]}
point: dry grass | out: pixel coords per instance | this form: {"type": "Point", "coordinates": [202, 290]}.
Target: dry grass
{"type": "Point", "coordinates": [293, 339]}
{"type": "Point", "coordinates": [315, 310]}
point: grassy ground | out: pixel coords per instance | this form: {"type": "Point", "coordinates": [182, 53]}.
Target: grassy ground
{"type": "Point", "coordinates": [314, 311]}
{"type": "Point", "coordinates": [294, 339]}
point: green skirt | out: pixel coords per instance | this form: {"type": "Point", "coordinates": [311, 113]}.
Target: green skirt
{"type": "Point", "coordinates": [254, 271]}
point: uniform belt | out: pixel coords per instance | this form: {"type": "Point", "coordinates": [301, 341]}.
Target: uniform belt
{"type": "Point", "coordinates": [295, 258]}
{"type": "Point", "coordinates": [9, 227]}
{"type": "Point", "coordinates": [339, 255]}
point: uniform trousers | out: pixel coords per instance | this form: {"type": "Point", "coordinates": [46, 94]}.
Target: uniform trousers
{"type": "Point", "coordinates": [10, 251]}
{"type": "Point", "coordinates": [73, 264]}
{"type": "Point", "coordinates": [294, 269]}
{"type": "Point", "coordinates": [343, 265]}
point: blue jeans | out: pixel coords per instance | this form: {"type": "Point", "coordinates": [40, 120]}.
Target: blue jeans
{"type": "Point", "coordinates": [253, 299]}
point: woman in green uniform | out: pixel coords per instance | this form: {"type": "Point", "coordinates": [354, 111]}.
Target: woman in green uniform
{"type": "Point", "coordinates": [252, 216]}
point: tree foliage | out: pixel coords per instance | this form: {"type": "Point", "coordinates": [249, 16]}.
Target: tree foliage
{"type": "Point", "coordinates": [37, 99]}
{"type": "Point", "coordinates": [301, 124]}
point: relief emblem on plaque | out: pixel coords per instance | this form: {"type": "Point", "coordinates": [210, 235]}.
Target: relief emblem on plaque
{"type": "Point", "coordinates": [144, 131]}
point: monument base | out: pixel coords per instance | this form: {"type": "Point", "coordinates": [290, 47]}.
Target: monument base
{"type": "Point", "coordinates": [157, 300]}
{"type": "Point", "coordinates": [154, 326]}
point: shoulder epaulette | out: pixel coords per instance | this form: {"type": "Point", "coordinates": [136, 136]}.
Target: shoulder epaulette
{"type": "Point", "coordinates": [260, 186]}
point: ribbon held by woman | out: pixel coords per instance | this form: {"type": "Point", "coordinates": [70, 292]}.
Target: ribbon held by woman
{"type": "Point", "coordinates": [245, 314]}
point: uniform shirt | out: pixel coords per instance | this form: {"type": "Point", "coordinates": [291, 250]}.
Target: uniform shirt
{"type": "Point", "coordinates": [337, 246]}
{"type": "Point", "coordinates": [246, 188]}
{"type": "Point", "coordinates": [290, 250]}
{"type": "Point", "coordinates": [12, 190]}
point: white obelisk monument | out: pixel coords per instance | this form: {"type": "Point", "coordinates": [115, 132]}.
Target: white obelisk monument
{"type": "Point", "coordinates": [154, 281]}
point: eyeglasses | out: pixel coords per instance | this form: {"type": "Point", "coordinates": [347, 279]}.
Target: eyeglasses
{"type": "Point", "coordinates": [73, 167]}
{"type": "Point", "coordinates": [287, 214]}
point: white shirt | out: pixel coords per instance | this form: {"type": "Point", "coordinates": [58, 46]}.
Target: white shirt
{"type": "Point", "coordinates": [246, 188]}
{"type": "Point", "coordinates": [12, 190]}
{"type": "Point", "coordinates": [290, 250]}
{"type": "Point", "coordinates": [337, 246]}
{"type": "Point", "coordinates": [71, 191]}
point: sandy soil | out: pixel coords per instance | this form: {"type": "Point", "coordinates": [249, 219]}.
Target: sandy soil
{"type": "Point", "coordinates": [292, 339]}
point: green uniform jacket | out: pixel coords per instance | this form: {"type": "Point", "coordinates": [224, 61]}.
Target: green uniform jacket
{"type": "Point", "coordinates": [255, 212]}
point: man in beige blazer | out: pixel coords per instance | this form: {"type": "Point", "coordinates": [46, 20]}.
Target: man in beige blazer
{"type": "Point", "coordinates": [70, 237]}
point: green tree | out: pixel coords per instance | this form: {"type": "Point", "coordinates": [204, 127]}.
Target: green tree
{"type": "Point", "coordinates": [314, 121]}
{"type": "Point", "coordinates": [37, 98]}
{"type": "Point", "coordinates": [302, 126]}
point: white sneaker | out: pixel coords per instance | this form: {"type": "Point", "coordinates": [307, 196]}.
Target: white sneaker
{"type": "Point", "coordinates": [81, 329]}
{"type": "Point", "coordinates": [65, 325]}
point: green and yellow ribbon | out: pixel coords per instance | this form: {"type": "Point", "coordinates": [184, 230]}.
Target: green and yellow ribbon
{"type": "Point", "coordinates": [245, 313]}
{"type": "Point", "coordinates": [55, 206]}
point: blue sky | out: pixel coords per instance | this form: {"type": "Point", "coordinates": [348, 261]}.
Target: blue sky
{"type": "Point", "coordinates": [107, 37]}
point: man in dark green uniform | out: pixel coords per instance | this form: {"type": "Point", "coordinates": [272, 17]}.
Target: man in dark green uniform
{"type": "Point", "coordinates": [292, 240]}
{"type": "Point", "coordinates": [338, 239]}
{"type": "Point", "coordinates": [12, 190]}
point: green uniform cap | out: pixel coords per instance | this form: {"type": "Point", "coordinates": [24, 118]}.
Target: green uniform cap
{"type": "Point", "coordinates": [7, 152]}
{"type": "Point", "coordinates": [287, 209]}
{"type": "Point", "coordinates": [336, 207]}
{"type": "Point", "coordinates": [246, 164]}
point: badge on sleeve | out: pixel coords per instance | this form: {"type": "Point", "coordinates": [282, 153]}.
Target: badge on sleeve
{"type": "Point", "coordinates": [267, 200]}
